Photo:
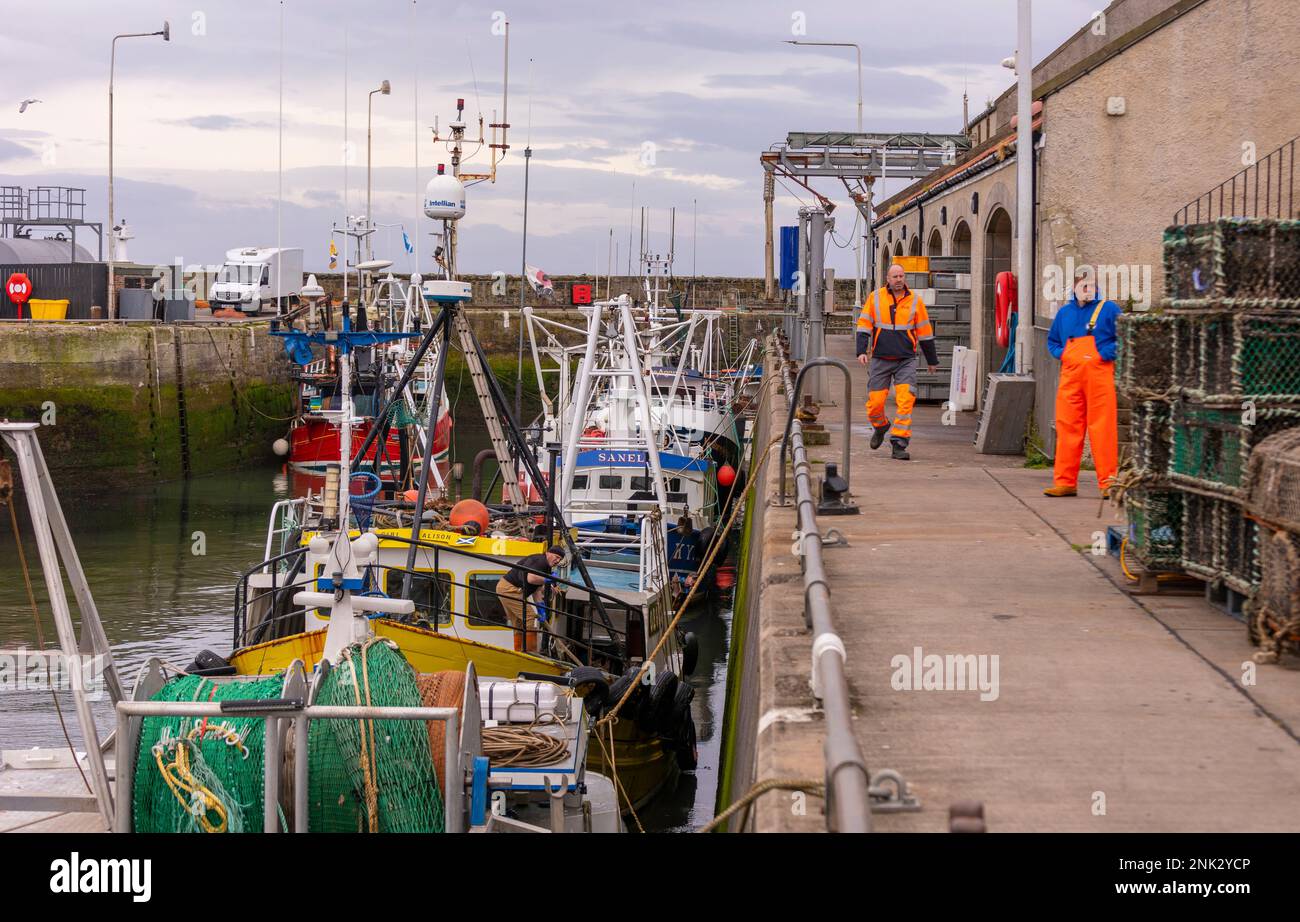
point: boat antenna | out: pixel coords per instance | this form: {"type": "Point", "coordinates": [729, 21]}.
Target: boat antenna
{"type": "Point", "coordinates": [345, 163]}
{"type": "Point", "coordinates": [279, 189]}
{"type": "Point", "coordinates": [415, 124]}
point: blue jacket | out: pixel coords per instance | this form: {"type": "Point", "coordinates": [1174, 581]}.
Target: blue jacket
{"type": "Point", "coordinates": [1072, 322]}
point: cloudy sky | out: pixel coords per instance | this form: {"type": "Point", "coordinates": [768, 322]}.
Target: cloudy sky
{"type": "Point", "coordinates": [699, 89]}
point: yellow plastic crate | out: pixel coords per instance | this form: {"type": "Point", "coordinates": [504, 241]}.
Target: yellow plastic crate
{"type": "Point", "coordinates": [913, 263]}
{"type": "Point", "coordinates": [48, 308]}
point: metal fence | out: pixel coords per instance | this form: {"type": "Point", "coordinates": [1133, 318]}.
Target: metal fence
{"type": "Point", "coordinates": [82, 284]}
{"type": "Point", "coordinates": [1265, 189]}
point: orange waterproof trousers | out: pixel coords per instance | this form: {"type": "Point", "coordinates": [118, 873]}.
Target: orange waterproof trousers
{"type": "Point", "coordinates": [1085, 402]}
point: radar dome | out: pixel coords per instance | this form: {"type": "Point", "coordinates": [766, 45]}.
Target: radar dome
{"type": "Point", "coordinates": [444, 197]}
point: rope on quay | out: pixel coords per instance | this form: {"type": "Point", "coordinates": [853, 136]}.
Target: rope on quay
{"type": "Point", "coordinates": [807, 785]}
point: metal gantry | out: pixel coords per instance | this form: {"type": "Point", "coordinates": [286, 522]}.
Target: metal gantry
{"type": "Point", "coordinates": [857, 159]}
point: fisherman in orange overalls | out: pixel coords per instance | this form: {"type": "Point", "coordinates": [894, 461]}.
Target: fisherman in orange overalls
{"type": "Point", "coordinates": [1083, 338]}
{"type": "Point", "coordinates": [893, 324]}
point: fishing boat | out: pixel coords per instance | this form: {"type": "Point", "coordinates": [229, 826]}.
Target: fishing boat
{"type": "Point", "coordinates": [389, 305]}
{"type": "Point", "coordinates": [608, 611]}
{"type": "Point", "coordinates": [360, 742]}
{"type": "Point", "coordinates": [635, 437]}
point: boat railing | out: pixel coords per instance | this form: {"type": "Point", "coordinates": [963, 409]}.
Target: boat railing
{"type": "Point", "coordinates": [284, 565]}
{"type": "Point", "coordinates": [284, 520]}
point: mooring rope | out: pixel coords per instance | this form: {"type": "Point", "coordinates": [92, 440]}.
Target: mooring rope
{"type": "Point", "coordinates": [714, 547]}
{"type": "Point", "coordinates": [807, 785]}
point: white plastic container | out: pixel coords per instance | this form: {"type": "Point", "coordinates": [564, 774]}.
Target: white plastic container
{"type": "Point", "coordinates": [520, 702]}
{"type": "Point", "coordinates": [965, 365]}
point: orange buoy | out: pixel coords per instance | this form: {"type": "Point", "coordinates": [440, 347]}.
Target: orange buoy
{"type": "Point", "coordinates": [411, 495]}
{"type": "Point", "coordinates": [470, 516]}
{"type": "Point", "coordinates": [726, 475]}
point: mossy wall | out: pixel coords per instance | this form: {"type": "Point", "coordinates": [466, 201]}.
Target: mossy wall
{"type": "Point", "coordinates": [110, 398]}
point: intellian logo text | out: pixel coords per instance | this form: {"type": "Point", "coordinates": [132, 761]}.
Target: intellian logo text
{"type": "Point", "coordinates": [103, 875]}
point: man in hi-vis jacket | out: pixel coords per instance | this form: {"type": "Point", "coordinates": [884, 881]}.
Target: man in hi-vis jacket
{"type": "Point", "coordinates": [893, 323]}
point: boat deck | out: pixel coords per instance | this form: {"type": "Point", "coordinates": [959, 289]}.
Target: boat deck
{"type": "Point", "coordinates": [64, 782]}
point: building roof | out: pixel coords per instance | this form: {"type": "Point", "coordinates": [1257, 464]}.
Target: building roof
{"type": "Point", "coordinates": [995, 150]}
{"type": "Point", "coordinates": [1077, 56]}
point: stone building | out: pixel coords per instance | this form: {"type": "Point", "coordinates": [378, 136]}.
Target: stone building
{"type": "Point", "coordinates": [1151, 104]}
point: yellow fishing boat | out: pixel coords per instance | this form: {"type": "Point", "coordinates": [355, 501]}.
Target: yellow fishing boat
{"type": "Point", "coordinates": [611, 623]}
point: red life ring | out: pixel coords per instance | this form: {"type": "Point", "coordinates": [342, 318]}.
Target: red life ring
{"type": "Point", "coordinates": [1004, 302]}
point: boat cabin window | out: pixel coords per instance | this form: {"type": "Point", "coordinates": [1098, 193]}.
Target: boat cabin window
{"type": "Point", "coordinates": [431, 594]}
{"type": "Point", "coordinates": [579, 481]}
{"type": "Point", "coordinates": [484, 604]}
{"type": "Point", "coordinates": [643, 484]}
{"type": "Point", "coordinates": [610, 482]}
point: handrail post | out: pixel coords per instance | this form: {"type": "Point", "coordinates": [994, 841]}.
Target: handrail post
{"type": "Point", "coordinates": [794, 404]}
{"type": "Point", "coordinates": [847, 777]}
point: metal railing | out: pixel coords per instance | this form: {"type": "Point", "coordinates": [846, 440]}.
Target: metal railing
{"type": "Point", "coordinates": [848, 782]}
{"type": "Point", "coordinates": [793, 396]}
{"type": "Point", "coordinates": [297, 714]}
{"type": "Point", "coordinates": [1265, 189]}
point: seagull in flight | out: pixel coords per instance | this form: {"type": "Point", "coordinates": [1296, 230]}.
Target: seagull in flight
{"type": "Point", "coordinates": [25, 103]}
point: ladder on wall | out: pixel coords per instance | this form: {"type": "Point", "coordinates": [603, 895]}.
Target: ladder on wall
{"type": "Point", "coordinates": [500, 445]}
{"type": "Point", "coordinates": [733, 338]}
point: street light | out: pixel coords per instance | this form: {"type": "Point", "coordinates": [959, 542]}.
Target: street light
{"type": "Point", "coordinates": [384, 88]}
{"type": "Point", "coordinates": [166, 33]}
{"type": "Point", "coordinates": [855, 47]}
{"type": "Point", "coordinates": [857, 250]}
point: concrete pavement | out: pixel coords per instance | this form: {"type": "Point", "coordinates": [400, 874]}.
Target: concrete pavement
{"type": "Point", "coordinates": [1109, 712]}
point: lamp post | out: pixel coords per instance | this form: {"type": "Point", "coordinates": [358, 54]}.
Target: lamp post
{"type": "Point", "coordinates": [384, 89]}
{"type": "Point", "coordinates": [857, 261]}
{"type": "Point", "coordinates": [855, 47]}
{"type": "Point", "coordinates": [1024, 190]}
{"type": "Point", "coordinates": [166, 33]}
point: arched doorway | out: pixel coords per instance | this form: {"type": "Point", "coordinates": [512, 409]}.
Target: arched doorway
{"type": "Point", "coordinates": [997, 258]}
{"type": "Point", "coordinates": [914, 248]}
{"type": "Point", "coordinates": [935, 246]}
{"type": "Point", "coordinates": [961, 239]}
{"type": "Point", "coordinates": [887, 260]}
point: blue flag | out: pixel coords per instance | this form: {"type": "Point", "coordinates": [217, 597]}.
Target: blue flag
{"type": "Point", "coordinates": [406, 242]}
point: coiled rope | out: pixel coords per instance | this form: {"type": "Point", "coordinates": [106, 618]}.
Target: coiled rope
{"type": "Point", "coordinates": [523, 747]}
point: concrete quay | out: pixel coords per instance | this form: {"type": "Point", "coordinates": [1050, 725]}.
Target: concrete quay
{"type": "Point", "coordinates": [1110, 712]}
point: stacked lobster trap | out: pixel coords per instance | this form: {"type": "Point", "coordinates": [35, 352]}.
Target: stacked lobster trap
{"type": "Point", "coordinates": [1214, 382]}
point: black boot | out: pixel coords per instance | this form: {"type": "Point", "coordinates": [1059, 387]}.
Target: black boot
{"type": "Point", "coordinates": [878, 436]}
{"type": "Point", "coordinates": [899, 451]}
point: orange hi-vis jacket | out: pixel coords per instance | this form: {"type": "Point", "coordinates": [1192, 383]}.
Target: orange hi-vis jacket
{"type": "Point", "coordinates": [892, 328]}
